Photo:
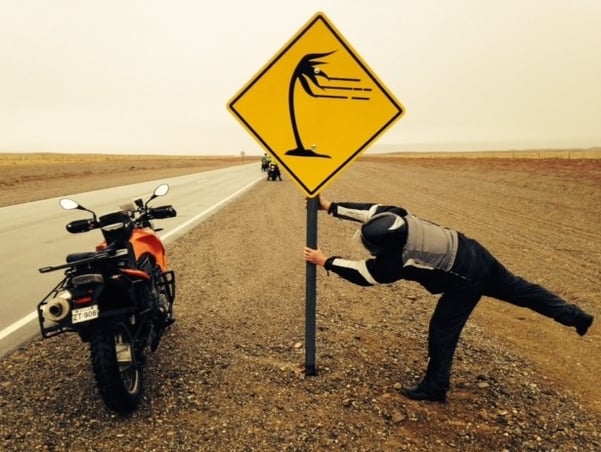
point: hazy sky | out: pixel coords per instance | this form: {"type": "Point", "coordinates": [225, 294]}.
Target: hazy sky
{"type": "Point", "coordinates": [154, 76]}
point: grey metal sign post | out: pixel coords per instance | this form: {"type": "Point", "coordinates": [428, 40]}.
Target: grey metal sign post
{"type": "Point", "coordinates": [311, 290]}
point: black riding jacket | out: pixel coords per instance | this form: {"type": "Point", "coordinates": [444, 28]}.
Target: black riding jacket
{"type": "Point", "coordinates": [427, 253]}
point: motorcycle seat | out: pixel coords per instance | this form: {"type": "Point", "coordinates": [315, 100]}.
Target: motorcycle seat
{"type": "Point", "coordinates": [72, 257]}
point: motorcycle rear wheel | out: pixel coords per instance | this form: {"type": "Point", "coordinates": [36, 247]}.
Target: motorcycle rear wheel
{"type": "Point", "coordinates": [118, 373]}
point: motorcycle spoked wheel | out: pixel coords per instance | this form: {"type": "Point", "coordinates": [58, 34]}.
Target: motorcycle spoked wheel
{"type": "Point", "coordinates": [118, 372]}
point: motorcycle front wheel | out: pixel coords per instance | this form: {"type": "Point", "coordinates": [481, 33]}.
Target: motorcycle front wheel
{"type": "Point", "coordinates": [118, 373]}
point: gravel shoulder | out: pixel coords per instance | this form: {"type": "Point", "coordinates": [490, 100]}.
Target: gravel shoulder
{"type": "Point", "coordinates": [229, 373]}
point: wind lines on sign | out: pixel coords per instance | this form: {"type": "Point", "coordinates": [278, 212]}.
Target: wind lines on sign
{"type": "Point", "coordinates": [348, 88]}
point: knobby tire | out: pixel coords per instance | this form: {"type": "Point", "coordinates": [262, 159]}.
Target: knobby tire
{"type": "Point", "coordinates": [120, 384]}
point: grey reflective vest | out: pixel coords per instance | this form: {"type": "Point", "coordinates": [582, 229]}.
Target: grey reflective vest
{"type": "Point", "coordinates": [429, 245]}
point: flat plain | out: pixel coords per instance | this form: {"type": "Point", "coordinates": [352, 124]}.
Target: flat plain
{"type": "Point", "coordinates": [229, 374]}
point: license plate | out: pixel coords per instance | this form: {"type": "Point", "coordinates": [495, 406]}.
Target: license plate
{"type": "Point", "coordinates": [84, 314]}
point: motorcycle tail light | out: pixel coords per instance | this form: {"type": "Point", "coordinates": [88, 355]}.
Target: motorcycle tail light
{"type": "Point", "coordinates": [91, 278]}
{"type": "Point", "coordinates": [82, 300]}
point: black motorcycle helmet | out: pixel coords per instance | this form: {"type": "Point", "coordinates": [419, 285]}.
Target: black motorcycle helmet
{"type": "Point", "coordinates": [384, 233]}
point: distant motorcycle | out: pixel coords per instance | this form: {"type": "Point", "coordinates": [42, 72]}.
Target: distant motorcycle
{"type": "Point", "coordinates": [265, 160]}
{"type": "Point", "coordinates": [273, 172]}
{"type": "Point", "coordinates": [118, 298]}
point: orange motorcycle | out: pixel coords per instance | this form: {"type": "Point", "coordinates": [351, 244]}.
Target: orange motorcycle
{"type": "Point", "coordinates": [118, 298]}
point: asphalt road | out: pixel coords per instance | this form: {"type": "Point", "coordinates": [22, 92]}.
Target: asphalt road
{"type": "Point", "coordinates": [33, 235]}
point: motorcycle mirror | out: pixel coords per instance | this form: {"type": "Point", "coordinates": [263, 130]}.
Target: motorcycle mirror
{"type": "Point", "coordinates": [161, 190]}
{"type": "Point", "coordinates": [68, 204]}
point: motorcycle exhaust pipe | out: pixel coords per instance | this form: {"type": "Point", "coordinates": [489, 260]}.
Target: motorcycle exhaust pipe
{"type": "Point", "coordinates": [58, 308]}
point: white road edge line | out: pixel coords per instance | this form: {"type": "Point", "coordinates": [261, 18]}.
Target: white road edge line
{"type": "Point", "coordinates": [210, 209]}
{"type": "Point", "coordinates": [10, 329]}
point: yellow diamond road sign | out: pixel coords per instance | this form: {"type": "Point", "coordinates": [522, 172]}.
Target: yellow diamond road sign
{"type": "Point", "coordinates": [315, 106]}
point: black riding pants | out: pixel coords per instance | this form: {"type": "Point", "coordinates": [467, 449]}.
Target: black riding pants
{"type": "Point", "coordinates": [481, 274]}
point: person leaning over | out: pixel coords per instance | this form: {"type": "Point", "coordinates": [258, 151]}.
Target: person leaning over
{"type": "Point", "coordinates": [443, 261]}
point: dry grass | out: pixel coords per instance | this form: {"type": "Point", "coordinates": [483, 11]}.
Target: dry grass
{"type": "Point", "coordinates": [29, 177]}
{"type": "Point", "coordinates": [570, 154]}
{"type": "Point", "coordinates": [26, 177]}
{"type": "Point", "coordinates": [47, 158]}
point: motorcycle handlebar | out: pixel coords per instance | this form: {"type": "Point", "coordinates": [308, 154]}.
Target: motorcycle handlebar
{"type": "Point", "coordinates": [162, 212]}
{"type": "Point", "coordinates": [77, 226]}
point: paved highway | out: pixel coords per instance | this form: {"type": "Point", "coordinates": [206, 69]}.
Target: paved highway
{"type": "Point", "coordinates": [33, 235]}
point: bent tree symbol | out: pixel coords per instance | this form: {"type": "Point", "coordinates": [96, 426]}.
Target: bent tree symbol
{"type": "Point", "coordinates": [306, 71]}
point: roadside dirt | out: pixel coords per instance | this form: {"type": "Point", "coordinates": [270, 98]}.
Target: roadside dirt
{"type": "Point", "coordinates": [229, 374]}
{"type": "Point", "coordinates": [28, 177]}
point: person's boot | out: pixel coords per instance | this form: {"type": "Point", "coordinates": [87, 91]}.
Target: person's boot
{"type": "Point", "coordinates": [583, 322]}
{"type": "Point", "coordinates": [572, 315]}
{"type": "Point", "coordinates": [435, 383]}
{"type": "Point", "coordinates": [425, 391]}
